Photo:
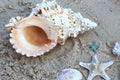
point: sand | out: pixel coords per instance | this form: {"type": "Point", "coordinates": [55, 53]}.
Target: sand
{"type": "Point", "coordinates": [106, 13]}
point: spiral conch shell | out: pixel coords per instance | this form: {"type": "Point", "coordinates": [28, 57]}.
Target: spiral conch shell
{"type": "Point", "coordinates": [70, 23]}
{"type": "Point", "coordinates": [47, 25]}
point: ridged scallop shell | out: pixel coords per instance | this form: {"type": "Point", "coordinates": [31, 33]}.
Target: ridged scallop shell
{"type": "Point", "coordinates": [33, 36]}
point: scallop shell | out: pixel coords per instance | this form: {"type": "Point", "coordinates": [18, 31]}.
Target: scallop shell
{"type": "Point", "coordinates": [70, 23]}
{"type": "Point", "coordinates": [33, 36]}
{"type": "Point", "coordinates": [70, 74]}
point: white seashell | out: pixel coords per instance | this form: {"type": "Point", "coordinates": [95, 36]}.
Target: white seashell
{"type": "Point", "coordinates": [33, 36]}
{"type": "Point", "coordinates": [70, 23]}
{"type": "Point", "coordinates": [116, 49]}
{"type": "Point", "coordinates": [50, 19]}
{"type": "Point", "coordinates": [70, 74]}
{"type": "Point", "coordinates": [13, 22]}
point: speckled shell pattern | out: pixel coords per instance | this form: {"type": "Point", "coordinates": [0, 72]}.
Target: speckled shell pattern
{"type": "Point", "coordinates": [63, 22]}
{"type": "Point", "coordinates": [70, 24]}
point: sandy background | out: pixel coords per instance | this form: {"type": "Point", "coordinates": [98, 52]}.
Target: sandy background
{"type": "Point", "coordinates": [106, 13]}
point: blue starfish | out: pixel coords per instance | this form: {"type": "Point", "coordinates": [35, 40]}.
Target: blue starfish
{"type": "Point", "coordinates": [93, 47]}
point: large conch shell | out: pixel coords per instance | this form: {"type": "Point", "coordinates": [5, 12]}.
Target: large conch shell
{"type": "Point", "coordinates": [70, 23]}
{"type": "Point", "coordinates": [47, 25]}
{"type": "Point", "coordinates": [33, 36]}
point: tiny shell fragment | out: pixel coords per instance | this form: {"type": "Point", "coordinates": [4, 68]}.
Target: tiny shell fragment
{"type": "Point", "coordinates": [116, 49]}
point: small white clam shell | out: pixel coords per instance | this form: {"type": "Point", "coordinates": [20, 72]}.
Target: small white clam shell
{"type": "Point", "coordinates": [70, 74]}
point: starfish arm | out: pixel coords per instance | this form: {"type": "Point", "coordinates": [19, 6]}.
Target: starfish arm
{"type": "Point", "coordinates": [104, 75]}
{"type": "Point", "coordinates": [86, 65]}
{"type": "Point", "coordinates": [91, 76]}
{"type": "Point", "coordinates": [105, 65]}
{"type": "Point", "coordinates": [94, 59]}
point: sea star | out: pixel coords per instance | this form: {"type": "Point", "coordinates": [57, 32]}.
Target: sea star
{"type": "Point", "coordinates": [93, 47]}
{"type": "Point", "coordinates": [96, 68]}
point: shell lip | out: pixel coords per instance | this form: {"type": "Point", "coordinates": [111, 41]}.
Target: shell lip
{"type": "Point", "coordinates": [21, 45]}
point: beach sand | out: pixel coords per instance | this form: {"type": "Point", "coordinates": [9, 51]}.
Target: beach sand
{"type": "Point", "coordinates": [106, 13]}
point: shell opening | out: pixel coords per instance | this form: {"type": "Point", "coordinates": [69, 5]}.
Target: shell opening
{"type": "Point", "coordinates": [36, 36]}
